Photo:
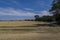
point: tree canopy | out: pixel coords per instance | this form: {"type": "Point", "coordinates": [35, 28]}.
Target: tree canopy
{"type": "Point", "coordinates": [55, 9]}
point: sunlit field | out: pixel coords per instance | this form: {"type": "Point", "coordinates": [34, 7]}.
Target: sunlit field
{"type": "Point", "coordinates": [19, 23]}
{"type": "Point", "coordinates": [28, 30]}
{"type": "Point", "coordinates": [30, 36]}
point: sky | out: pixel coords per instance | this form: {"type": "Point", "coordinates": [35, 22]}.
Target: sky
{"type": "Point", "coordinates": [23, 9]}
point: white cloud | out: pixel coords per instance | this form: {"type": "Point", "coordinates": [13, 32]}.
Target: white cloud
{"type": "Point", "coordinates": [11, 11]}
{"type": "Point", "coordinates": [45, 13]}
{"type": "Point", "coordinates": [14, 12]}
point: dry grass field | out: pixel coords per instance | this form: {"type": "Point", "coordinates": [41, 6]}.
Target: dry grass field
{"type": "Point", "coordinates": [19, 23]}
{"type": "Point", "coordinates": [30, 36]}
{"type": "Point", "coordinates": [27, 30]}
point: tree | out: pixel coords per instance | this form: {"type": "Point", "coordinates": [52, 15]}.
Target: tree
{"type": "Point", "coordinates": [55, 9]}
{"type": "Point", "coordinates": [43, 18]}
{"type": "Point", "coordinates": [37, 18]}
{"type": "Point", "coordinates": [46, 18]}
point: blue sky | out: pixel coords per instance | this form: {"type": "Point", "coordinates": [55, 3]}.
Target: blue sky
{"type": "Point", "coordinates": [23, 9]}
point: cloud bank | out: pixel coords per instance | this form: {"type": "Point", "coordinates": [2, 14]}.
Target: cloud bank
{"type": "Point", "coordinates": [15, 12]}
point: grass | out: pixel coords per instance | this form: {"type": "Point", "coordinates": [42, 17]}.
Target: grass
{"type": "Point", "coordinates": [48, 29]}
{"type": "Point", "coordinates": [30, 36]}
{"type": "Point", "coordinates": [19, 23]}
{"type": "Point", "coordinates": [27, 30]}
{"type": "Point", "coordinates": [16, 23]}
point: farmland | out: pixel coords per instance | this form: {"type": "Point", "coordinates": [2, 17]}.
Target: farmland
{"type": "Point", "coordinates": [19, 23]}
{"type": "Point", "coordinates": [28, 30]}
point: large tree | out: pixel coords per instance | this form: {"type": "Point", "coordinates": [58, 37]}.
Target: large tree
{"type": "Point", "coordinates": [37, 18]}
{"type": "Point", "coordinates": [55, 9]}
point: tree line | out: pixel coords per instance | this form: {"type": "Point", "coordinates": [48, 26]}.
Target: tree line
{"type": "Point", "coordinates": [55, 10]}
{"type": "Point", "coordinates": [43, 18]}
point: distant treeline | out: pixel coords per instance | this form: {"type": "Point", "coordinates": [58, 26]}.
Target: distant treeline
{"type": "Point", "coordinates": [19, 20]}
{"type": "Point", "coordinates": [44, 18]}
{"type": "Point", "coordinates": [37, 18]}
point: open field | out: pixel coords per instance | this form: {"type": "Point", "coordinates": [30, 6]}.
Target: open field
{"type": "Point", "coordinates": [30, 36]}
{"type": "Point", "coordinates": [28, 30]}
{"type": "Point", "coordinates": [19, 23]}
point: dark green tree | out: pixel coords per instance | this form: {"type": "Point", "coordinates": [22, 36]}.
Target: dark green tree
{"type": "Point", "coordinates": [43, 18]}
{"type": "Point", "coordinates": [55, 9]}
{"type": "Point", "coordinates": [37, 18]}
{"type": "Point", "coordinates": [46, 18]}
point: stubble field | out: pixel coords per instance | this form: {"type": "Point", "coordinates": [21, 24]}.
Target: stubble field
{"type": "Point", "coordinates": [28, 30]}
